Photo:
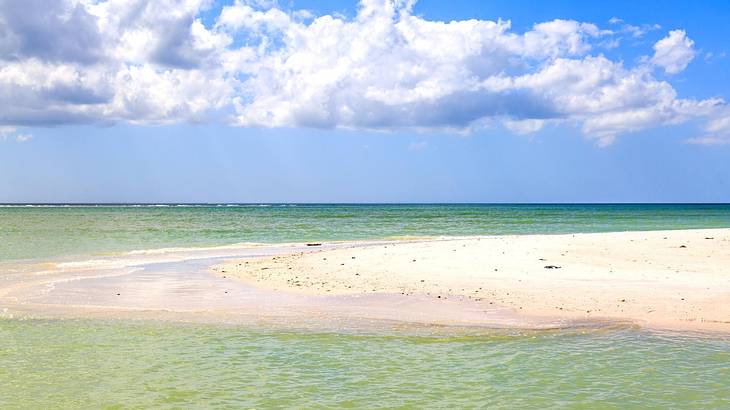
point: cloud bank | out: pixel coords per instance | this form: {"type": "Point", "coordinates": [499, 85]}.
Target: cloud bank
{"type": "Point", "coordinates": [157, 62]}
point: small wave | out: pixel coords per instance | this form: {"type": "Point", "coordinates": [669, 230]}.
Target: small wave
{"type": "Point", "coordinates": [162, 251]}
{"type": "Point", "coordinates": [165, 255]}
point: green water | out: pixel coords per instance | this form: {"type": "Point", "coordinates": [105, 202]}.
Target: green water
{"type": "Point", "coordinates": [39, 232]}
{"type": "Point", "coordinates": [128, 364]}
{"type": "Point", "coordinates": [93, 364]}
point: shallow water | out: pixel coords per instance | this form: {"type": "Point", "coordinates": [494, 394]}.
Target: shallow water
{"type": "Point", "coordinates": [126, 364]}
{"type": "Point", "coordinates": [177, 285]}
{"type": "Point", "coordinates": [28, 232]}
{"type": "Point", "coordinates": [87, 363]}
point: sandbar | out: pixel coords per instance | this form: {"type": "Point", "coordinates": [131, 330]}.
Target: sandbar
{"type": "Point", "coordinates": [677, 279]}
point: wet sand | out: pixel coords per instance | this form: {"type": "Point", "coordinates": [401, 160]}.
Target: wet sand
{"type": "Point", "coordinates": [176, 284]}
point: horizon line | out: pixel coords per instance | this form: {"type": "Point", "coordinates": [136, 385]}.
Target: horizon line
{"type": "Point", "coordinates": [348, 203]}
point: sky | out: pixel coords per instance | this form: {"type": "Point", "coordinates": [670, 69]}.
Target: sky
{"type": "Point", "coordinates": [364, 101]}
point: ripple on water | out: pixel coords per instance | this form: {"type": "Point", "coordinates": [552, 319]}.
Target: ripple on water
{"type": "Point", "coordinates": [85, 363]}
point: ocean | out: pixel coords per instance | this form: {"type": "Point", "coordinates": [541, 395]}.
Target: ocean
{"type": "Point", "coordinates": [124, 363]}
{"type": "Point", "coordinates": [43, 231]}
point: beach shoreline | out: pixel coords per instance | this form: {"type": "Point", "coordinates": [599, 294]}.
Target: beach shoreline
{"type": "Point", "coordinates": [669, 280]}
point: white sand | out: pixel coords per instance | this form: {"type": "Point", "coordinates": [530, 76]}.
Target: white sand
{"type": "Point", "coordinates": [660, 279]}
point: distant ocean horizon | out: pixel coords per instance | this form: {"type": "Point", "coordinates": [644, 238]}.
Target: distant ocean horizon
{"type": "Point", "coordinates": [14, 204]}
{"type": "Point", "coordinates": [47, 230]}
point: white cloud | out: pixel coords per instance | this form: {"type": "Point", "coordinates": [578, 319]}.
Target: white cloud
{"type": "Point", "coordinates": [524, 126]}
{"type": "Point", "coordinates": [634, 31]}
{"type": "Point", "coordinates": [708, 140]}
{"type": "Point", "coordinates": [720, 124]}
{"type": "Point", "coordinates": [390, 69]}
{"type": "Point", "coordinates": [716, 131]}
{"type": "Point", "coordinates": [11, 132]}
{"type": "Point", "coordinates": [152, 62]}
{"type": "Point", "coordinates": [242, 16]}
{"type": "Point", "coordinates": [639, 31]}
{"type": "Point", "coordinates": [5, 132]}
{"type": "Point", "coordinates": [615, 20]}
{"type": "Point", "coordinates": [674, 52]}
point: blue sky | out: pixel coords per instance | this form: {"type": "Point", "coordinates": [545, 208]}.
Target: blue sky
{"type": "Point", "coordinates": [379, 102]}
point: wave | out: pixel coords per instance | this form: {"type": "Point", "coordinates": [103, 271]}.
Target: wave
{"type": "Point", "coordinates": [141, 257]}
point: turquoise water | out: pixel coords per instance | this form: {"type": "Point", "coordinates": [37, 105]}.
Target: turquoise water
{"type": "Point", "coordinates": [135, 364]}
{"type": "Point", "coordinates": [94, 364]}
{"type": "Point", "coordinates": [48, 231]}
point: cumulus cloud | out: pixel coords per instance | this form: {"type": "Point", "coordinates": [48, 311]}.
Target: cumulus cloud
{"type": "Point", "coordinates": [256, 64]}
{"type": "Point", "coordinates": [61, 31]}
{"type": "Point", "coordinates": [78, 61]}
{"type": "Point", "coordinates": [674, 52]}
{"type": "Point", "coordinates": [389, 69]}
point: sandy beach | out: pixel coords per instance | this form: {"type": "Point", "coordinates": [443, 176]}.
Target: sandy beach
{"type": "Point", "coordinates": [675, 280]}
{"type": "Point", "coordinates": [657, 279]}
